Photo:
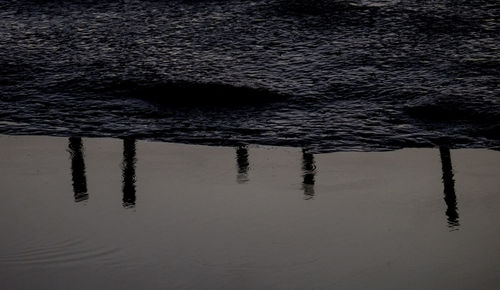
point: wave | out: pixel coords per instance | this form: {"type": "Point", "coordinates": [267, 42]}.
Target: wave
{"type": "Point", "coordinates": [172, 92]}
{"type": "Point", "coordinates": [187, 93]}
{"type": "Point", "coordinates": [451, 111]}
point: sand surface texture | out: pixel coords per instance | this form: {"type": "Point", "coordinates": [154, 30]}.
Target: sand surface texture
{"type": "Point", "coordinates": [125, 214]}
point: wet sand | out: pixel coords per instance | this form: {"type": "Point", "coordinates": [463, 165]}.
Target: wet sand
{"type": "Point", "coordinates": [125, 214]}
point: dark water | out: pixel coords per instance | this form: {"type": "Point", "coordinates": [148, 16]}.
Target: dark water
{"type": "Point", "coordinates": [328, 75]}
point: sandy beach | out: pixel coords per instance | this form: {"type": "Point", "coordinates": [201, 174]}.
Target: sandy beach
{"type": "Point", "coordinates": [97, 213]}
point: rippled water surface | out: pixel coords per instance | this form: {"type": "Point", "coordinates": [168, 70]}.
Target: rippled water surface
{"type": "Point", "coordinates": [349, 75]}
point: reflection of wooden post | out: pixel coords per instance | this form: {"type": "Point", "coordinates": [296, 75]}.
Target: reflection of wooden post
{"type": "Point", "coordinates": [308, 172]}
{"type": "Point", "coordinates": [243, 164]}
{"type": "Point", "coordinates": [75, 149]}
{"type": "Point", "coordinates": [128, 172]}
{"type": "Point", "coordinates": [449, 187]}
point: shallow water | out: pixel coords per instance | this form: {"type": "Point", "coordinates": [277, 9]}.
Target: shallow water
{"type": "Point", "coordinates": [126, 214]}
{"type": "Point", "coordinates": [358, 75]}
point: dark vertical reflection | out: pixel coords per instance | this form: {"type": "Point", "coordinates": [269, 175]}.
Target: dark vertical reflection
{"type": "Point", "coordinates": [128, 172]}
{"type": "Point", "coordinates": [243, 164]}
{"type": "Point", "coordinates": [75, 149]}
{"type": "Point", "coordinates": [449, 187]}
{"type": "Point", "coordinates": [308, 172]}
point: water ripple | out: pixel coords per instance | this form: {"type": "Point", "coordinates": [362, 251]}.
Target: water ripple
{"type": "Point", "coordinates": [59, 253]}
{"type": "Point", "coordinates": [369, 67]}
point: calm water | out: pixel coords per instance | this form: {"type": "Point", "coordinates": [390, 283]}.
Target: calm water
{"type": "Point", "coordinates": [350, 75]}
{"type": "Point", "coordinates": [81, 213]}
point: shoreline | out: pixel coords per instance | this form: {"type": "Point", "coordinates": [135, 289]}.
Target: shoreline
{"type": "Point", "coordinates": [233, 144]}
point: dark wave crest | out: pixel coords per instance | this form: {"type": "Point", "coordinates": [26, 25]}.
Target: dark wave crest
{"type": "Point", "coordinates": [185, 93]}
